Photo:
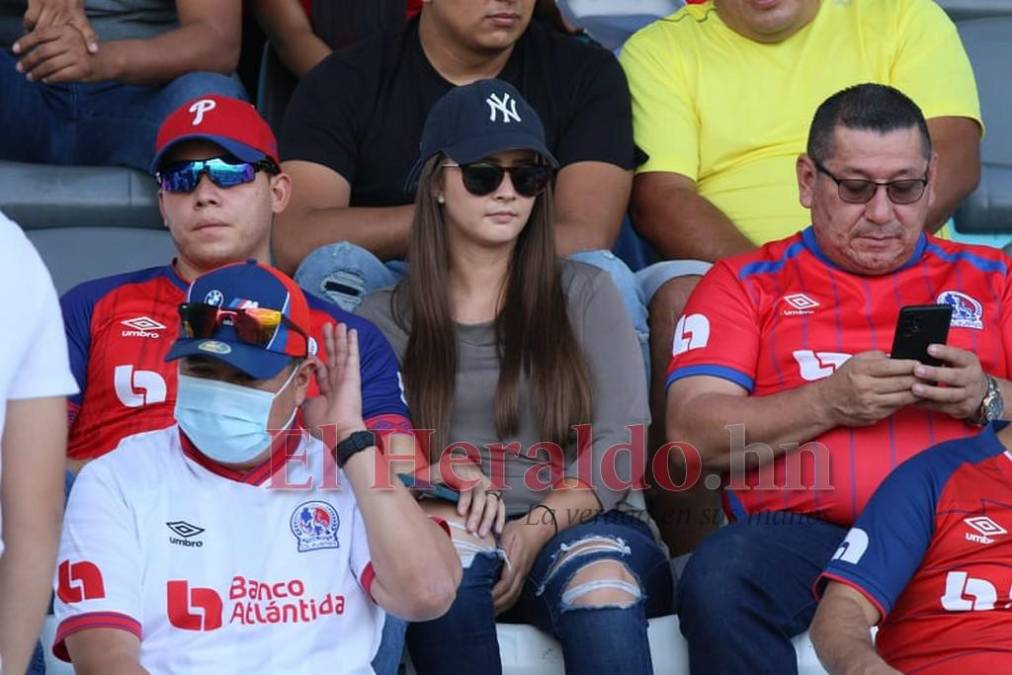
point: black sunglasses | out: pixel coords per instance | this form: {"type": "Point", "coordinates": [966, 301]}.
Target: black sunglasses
{"type": "Point", "coordinates": [483, 178]}
{"type": "Point", "coordinates": [861, 191]}
{"type": "Point", "coordinates": [185, 176]}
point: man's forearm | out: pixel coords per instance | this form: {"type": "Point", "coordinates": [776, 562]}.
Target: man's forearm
{"type": "Point", "coordinates": [383, 230]}
{"type": "Point", "coordinates": [25, 592]}
{"type": "Point", "coordinates": [719, 426]}
{"type": "Point", "coordinates": [842, 639]}
{"type": "Point", "coordinates": [161, 59]}
{"type": "Point", "coordinates": [395, 525]}
{"type": "Point", "coordinates": [33, 447]}
{"type": "Point", "coordinates": [956, 140]}
{"type": "Point", "coordinates": [683, 225]}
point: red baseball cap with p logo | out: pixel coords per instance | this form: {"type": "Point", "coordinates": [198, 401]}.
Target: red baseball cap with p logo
{"type": "Point", "coordinates": [233, 124]}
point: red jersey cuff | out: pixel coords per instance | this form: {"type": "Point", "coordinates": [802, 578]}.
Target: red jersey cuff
{"type": "Point", "coordinates": [74, 624]}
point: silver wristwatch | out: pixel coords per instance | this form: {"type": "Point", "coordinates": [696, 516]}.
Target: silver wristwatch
{"type": "Point", "coordinates": [992, 406]}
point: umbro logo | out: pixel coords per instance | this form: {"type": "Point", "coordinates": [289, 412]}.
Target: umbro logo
{"type": "Point", "coordinates": [186, 533]}
{"type": "Point", "coordinates": [142, 326]}
{"type": "Point", "coordinates": [986, 528]}
{"type": "Point", "coordinates": [800, 304]}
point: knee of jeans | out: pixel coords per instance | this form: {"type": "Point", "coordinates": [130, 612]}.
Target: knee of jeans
{"type": "Point", "coordinates": [623, 277]}
{"type": "Point", "coordinates": [471, 545]}
{"type": "Point", "coordinates": [192, 85]}
{"type": "Point", "coordinates": [342, 273]}
{"type": "Point", "coordinates": [717, 573]}
{"type": "Point", "coordinates": [602, 583]}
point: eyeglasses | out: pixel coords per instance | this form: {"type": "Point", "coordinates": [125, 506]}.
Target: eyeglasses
{"type": "Point", "coordinates": [253, 325]}
{"type": "Point", "coordinates": [185, 176]}
{"type": "Point", "coordinates": [861, 191]}
{"type": "Point", "coordinates": [483, 178]}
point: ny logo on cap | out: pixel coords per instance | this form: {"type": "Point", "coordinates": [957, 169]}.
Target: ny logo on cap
{"type": "Point", "coordinates": [507, 105]}
{"type": "Point", "coordinates": [199, 108]}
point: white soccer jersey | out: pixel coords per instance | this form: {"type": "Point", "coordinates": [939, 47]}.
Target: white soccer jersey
{"type": "Point", "coordinates": [33, 353]}
{"type": "Point", "coordinates": [218, 572]}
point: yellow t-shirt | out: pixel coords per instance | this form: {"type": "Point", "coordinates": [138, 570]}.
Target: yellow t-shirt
{"type": "Point", "coordinates": [733, 114]}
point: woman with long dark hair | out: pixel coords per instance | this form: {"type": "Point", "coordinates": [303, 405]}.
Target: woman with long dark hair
{"type": "Point", "coordinates": [527, 377]}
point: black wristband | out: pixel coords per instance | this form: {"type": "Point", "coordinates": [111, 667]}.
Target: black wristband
{"type": "Point", "coordinates": [355, 443]}
{"type": "Point", "coordinates": [551, 512]}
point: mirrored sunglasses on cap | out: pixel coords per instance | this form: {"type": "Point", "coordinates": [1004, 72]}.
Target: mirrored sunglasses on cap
{"type": "Point", "coordinates": [223, 172]}
{"type": "Point", "coordinates": [253, 325]}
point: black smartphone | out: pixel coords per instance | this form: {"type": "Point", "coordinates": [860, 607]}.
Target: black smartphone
{"type": "Point", "coordinates": [917, 327]}
{"type": "Point", "coordinates": [434, 490]}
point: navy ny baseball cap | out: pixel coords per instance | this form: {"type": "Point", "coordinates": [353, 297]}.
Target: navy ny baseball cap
{"type": "Point", "coordinates": [250, 316]}
{"type": "Point", "coordinates": [474, 121]}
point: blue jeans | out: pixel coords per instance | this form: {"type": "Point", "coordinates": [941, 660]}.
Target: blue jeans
{"type": "Point", "coordinates": [101, 123]}
{"type": "Point", "coordinates": [747, 590]}
{"type": "Point", "coordinates": [345, 273]}
{"type": "Point", "coordinates": [391, 649]}
{"type": "Point", "coordinates": [595, 639]}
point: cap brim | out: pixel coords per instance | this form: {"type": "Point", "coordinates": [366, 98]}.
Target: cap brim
{"type": "Point", "coordinates": [240, 151]}
{"type": "Point", "coordinates": [479, 148]}
{"type": "Point", "coordinates": [258, 363]}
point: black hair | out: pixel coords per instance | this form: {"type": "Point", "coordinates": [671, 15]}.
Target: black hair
{"type": "Point", "coordinates": [867, 107]}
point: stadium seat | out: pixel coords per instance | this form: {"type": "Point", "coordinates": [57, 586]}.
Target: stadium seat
{"type": "Point", "coordinates": [86, 222]}
{"type": "Point", "coordinates": [959, 10]}
{"type": "Point", "coordinates": [611, 23]}
{"type": "Point", "coordinates": [988, 42]}
{"type": "Point", "coordinates": [527, 651]}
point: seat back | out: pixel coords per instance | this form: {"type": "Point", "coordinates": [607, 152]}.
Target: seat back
{"type": "Point", "coordinates": [988, 209]}
{"type": "Point", "coordinates": [612, 23]}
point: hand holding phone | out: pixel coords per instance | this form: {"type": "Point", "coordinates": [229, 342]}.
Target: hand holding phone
{"type": "Point", "coordinates": [434, 490]}
{"type": "Point", "coordinates": [917, 327]}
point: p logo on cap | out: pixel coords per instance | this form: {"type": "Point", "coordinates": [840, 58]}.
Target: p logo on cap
{"type": "Point", "coordinates": [199, 108]}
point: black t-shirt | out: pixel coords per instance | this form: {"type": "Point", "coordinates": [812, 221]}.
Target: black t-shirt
{"type": "Point", "coordinates": [361, 111]}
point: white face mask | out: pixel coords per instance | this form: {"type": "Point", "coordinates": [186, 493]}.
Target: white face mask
{"type": "Point", "coordinates": [227, 422]}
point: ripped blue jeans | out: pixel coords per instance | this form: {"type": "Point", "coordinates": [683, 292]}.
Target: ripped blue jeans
{"type": "Point", "coordinates": [605, 638]}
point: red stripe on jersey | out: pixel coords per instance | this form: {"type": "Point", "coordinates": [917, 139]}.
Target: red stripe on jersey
{"type": "Point", "coordinates": [285, 446]}
{"type": "Point", "coordinates": [81, 622]}
{"type": "Point", "coordinates": [442, 524]}
{"type": "Point", "coordinates": [368, 576]}
{"type": "Point", "coordinates": [819, 588]}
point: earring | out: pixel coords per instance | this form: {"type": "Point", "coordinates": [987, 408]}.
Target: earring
{"type": "Point", "coordinates": [441, 199]}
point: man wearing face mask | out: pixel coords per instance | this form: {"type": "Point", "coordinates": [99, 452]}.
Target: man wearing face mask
{"type": "Point", "coordinates": [257, 534]}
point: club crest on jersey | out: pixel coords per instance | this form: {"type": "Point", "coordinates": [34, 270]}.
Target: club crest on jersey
{"type": "Point", "coordinates": [967, 312]}
{"type": "Point", "coordinates": [315, 525]}
{"type": "Point", "coordinates": [214, 347]}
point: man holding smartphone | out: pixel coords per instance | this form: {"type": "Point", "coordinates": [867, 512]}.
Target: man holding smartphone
{"type": "Point", "coordinates": [781, 381]}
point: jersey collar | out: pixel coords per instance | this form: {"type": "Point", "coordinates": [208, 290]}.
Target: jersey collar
{"type": "Point", "coordinates": [285, 446]}
{"type": "Point", "coordinates": [174, 277]}
{"type": "Point", "coordinates": [810, 242]}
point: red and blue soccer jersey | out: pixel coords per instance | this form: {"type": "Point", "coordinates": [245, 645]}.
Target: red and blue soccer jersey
{"type": "Point", "coordinates": [785, 315]}
{"type": "Point", "coordinates": [119, 330]}
{"type": "Point", "coordinates": [932, 551]}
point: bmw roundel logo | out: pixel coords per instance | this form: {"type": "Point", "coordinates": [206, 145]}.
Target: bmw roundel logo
{"type": "Point", "coordinates": [214, 298]}
{"type": "Point", "coordinates": [214, 347]}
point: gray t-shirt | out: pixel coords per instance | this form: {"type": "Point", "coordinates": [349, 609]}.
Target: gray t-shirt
{"type": "Point", "coordinates": [613, 354]}
{"type": "Point", "coordinates": [111, 19]}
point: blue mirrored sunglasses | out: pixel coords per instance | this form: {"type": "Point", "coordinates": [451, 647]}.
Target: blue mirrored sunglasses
{"type": "Point", "coordinates": [185, 176]}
